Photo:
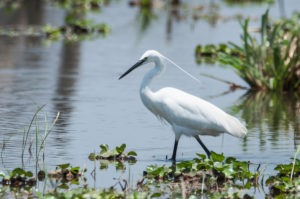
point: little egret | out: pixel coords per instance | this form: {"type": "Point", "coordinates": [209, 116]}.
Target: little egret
{"type": "Point", "coordinates": [187, 114]}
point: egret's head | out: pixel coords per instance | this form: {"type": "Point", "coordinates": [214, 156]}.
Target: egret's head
{"type": "Point", "coordinates": [150, 56]}
{"type": "Point", "coordinates": [147, 57]}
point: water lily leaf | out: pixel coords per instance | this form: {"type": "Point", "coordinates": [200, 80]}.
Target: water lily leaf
{"type": "Point", "coordinates": [63, 166]}
{"type": "Point", "coordinates": [2, 174]}
{"type": "Point", "coordinates": [132, 153]}
{"type": "Point", "coordinates": [217, 157]}
{"type": "Point", "coordinates": [121, 149]}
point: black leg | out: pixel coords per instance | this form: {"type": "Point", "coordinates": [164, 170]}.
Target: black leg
{"type": "Point", "coordinates": [203, 146]}
{"type": "Point", "coordinates": [175, 150]}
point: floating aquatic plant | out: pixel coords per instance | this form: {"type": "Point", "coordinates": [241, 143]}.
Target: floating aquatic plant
{"type": "Point", "coordinates": [18, 178]}
{"type": "Point", "coordinates": [281, 183]}
{"type": "Point", "coordinates": [208, 175]}
{"type": "Point", "coordinates": [75, 30]}
{"type": "Point", "coordinates": [65, 174]}
{"type": "Point", "coordinates": [116, 154]}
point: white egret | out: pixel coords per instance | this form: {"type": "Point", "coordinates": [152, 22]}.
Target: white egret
{"type": "Point", "coordinates": [187, 114]}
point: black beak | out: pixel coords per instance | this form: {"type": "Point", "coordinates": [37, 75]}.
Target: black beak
{"type": "Point", "coordinates": [139, 63]}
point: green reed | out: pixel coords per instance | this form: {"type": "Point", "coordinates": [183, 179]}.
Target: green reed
{"type": "Point", "coordinates": [268, 61]}
{"type": "Point", "coordinates": [40, 139]}
{"type": "Point", "coordinates": [274, 62]}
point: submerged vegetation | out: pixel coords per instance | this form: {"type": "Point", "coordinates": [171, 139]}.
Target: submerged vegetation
{"type": "Point", "coordinates": [271, 64]}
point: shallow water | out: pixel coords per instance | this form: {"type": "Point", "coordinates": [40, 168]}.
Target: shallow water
{"type": "Point", "coordinates": [80, 80]}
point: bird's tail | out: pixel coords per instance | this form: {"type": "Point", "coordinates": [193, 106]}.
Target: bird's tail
{"type": "Point", "coordinates": [235, 127]}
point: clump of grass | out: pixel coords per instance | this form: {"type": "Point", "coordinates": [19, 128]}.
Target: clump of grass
{"type": "Point", "coordinates": [274, 62]}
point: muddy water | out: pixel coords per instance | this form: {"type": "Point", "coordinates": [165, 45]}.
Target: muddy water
{"type": "Point", "coordinates": [80, 80]}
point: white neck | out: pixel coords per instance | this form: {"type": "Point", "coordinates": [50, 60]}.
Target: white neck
{"type": "Point", "coordinates": [145, 92]}
{"type": "Point", "coordinates": [156, 71]}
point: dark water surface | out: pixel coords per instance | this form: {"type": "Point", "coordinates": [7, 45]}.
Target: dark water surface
{"type": "Point", "coordinates": [80, 80]}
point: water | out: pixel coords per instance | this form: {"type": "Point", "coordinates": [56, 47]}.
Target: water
{"type": "Point", "coordinates": [80, 80]}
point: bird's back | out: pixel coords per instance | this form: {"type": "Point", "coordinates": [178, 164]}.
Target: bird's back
{"type": "Point", "coordinates": [192, 113]}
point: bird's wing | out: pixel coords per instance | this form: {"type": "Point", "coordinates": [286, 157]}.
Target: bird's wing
{"type": "Point", "coordinates": [185, 110]}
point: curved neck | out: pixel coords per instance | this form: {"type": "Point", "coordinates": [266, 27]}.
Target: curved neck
{"type": "Point", "coordinates": [156, 71]}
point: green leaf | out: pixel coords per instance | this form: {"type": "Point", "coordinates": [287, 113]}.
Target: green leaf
{"type": "Point", "coordinates": [63, 186]}
{"type": "Point", "coordinates": [18, 172]}
{"type": "Point", "coordinates": [104, 148]}
{"type": "Point", "coordinates": [108, 154]}
{"type": "Point", "coordinates": [131, 153]}
{"type": "Point", "coordinates": [155, 195]}
{"type": "Point", "coordinates": [201, 155]}
{"type": "Point", "coordinates": [121, 149]}
{"type": "Point", "coordinates": [75, 170]}
{"type": "Point", "coordinates": [28, 174]}
{"type": "Point", "coordinates": [217, 157]}
{"type": "Point", "coordinates": [63, 166]}
{"type": "Point", "coordinates": [230, 160]}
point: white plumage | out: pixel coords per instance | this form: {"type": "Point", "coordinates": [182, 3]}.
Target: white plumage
{"type": "Point", "coordinates": [187, 114]}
